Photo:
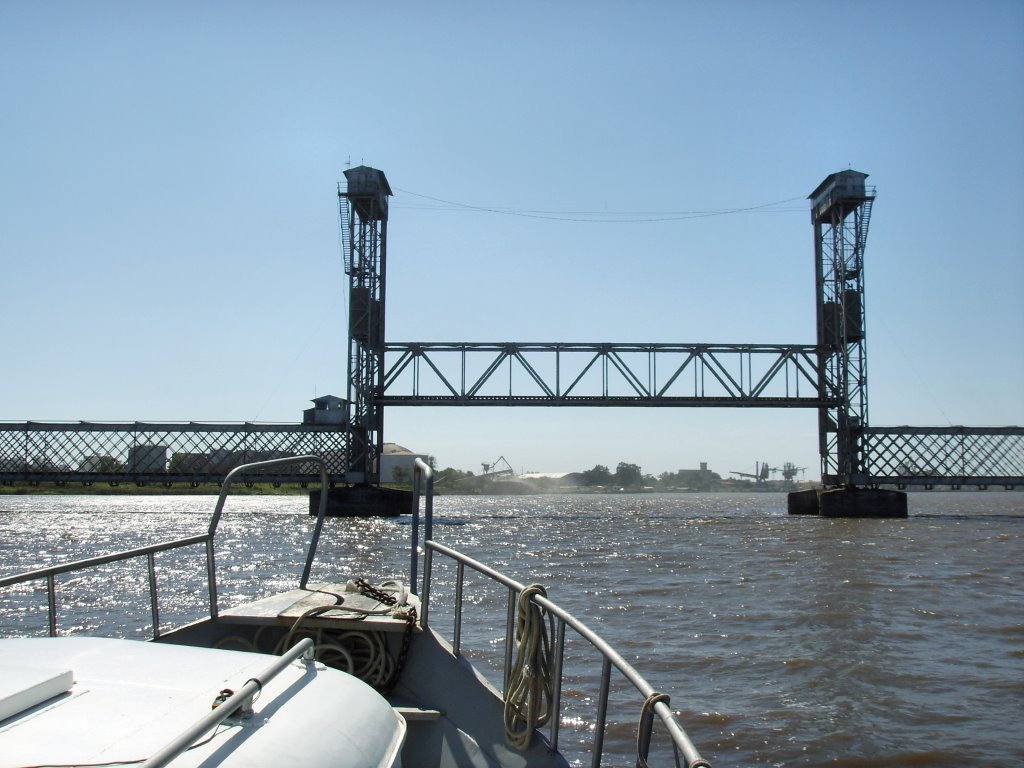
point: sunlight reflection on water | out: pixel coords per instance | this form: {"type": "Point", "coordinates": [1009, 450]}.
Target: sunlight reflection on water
{"type": "Point", "coordinates": [782, 640]}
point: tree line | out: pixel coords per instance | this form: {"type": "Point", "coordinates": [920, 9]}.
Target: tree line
{"type": "Point", "coordinates": [626, 476]}
{"type": "Point", "coordinates": [631, 476]}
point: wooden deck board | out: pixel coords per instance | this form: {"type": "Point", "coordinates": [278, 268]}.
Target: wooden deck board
{"type": "Point", "coordinates": [363, 613]}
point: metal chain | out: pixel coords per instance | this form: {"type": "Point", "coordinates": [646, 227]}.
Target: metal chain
{"type": "Point", "coordinates": [369, 590]}
{"type": "Point", "coordinates": [403, 653]}
{"type": "Point", "coordinates": [410, 621]}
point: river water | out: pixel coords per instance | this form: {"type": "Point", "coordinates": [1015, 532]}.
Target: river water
{"type": "Point", "coordinates": [782, 641]}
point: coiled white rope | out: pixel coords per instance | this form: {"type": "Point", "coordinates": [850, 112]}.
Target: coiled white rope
{"type": "Point", "coordinates": [363, 654]}
{"type": "Point", "coordinates": [530, 685]}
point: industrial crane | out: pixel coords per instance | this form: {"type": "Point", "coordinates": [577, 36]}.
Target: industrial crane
{"type": "Point", "coordinates": [491, 468]}
{"type": "Point", "coordinates": [788, 471]}
{"type": "Point", "coordinates": [760, 475]}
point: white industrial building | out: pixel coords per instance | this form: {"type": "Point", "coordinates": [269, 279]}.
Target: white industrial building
{"type": "Point", "coordinates": [397, 457]}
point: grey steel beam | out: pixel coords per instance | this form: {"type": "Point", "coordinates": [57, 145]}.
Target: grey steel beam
{"type": "Point", "coordinates": [589, 374]}
{"type": "Point", "coordinates": [500, 401]}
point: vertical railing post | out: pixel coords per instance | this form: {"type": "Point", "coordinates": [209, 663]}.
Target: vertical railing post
{"type": "Point", "coordinates": [602, 712]}
{"type": "Point", "coordinates": [415, 543]}
{"type": "Point", "coordinates": [211, 577]}
{"type": "Point", "coordinates": [643, 737]}
{"type": "Point", "coordinates": [460, 571]}
{"type": "Point", "coordinates": [51, 602]}
{"type": "Point", "coordinates": [428, 530]}
{"type": "Point", "coordinates": [321, 513]}
{"type": "Point", "coordinates": [510, 636]}
{"type": "Point", "coordinates": [420, 472]}
{"type": "Point", "coordinates": [153, 603]}
{"type": "Point", "coordinates": [428, 569]}
{"type": "Point", "coordinates": [556, 674]}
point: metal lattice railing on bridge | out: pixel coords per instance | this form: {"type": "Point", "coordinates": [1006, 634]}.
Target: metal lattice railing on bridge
{"type": "Point", "coordinates": [162, 453]}
{"type": "Point", "coordinates": [955, 456]}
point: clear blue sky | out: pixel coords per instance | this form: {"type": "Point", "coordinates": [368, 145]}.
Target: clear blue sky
{"type": "Point", "coordinates": [169, 233]}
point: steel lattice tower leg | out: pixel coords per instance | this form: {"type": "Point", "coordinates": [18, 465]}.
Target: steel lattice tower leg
{"type": "Point", "coordinates": [364, 210]}
{"type": "Point", "coordinates": [840, 212]}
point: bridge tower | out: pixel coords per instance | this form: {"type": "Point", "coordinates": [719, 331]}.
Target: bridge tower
{"type": "Point", "coordinates": [364, 229]}
{"type": "Point", "coordinates": [840, 213]}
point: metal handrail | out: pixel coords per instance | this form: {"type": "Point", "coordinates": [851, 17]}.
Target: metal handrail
{"type": "Point", "coordinates": [422, 482]}
{"type": "Point", "coordinates": [610, 657]}
{"type": "Point", "coordinates": [238, 700]}
{"type": "Point", "coordinates": [50, 573]}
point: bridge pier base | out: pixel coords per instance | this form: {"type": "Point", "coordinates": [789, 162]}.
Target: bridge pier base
{"type": "Point", "coordinates": [849, 502]}
{"type": "Point", "coordinates": [803, 502]}
{"type": "Point", "coordinates": [362, 501]}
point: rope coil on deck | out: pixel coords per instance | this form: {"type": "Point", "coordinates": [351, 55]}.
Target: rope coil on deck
{"type": "Point", "coordinates": [363, 654]}
{"type": "Point", "coordinates": [530, 691]}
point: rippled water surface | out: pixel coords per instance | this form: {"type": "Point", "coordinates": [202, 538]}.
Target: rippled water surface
{"type": "Point", "coordinates": [783, 641]}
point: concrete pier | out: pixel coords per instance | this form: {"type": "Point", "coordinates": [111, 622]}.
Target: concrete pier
{"type": "Point", "coordinates": [849, 502]}
{"type": "Point", "coordinates": [803, 502]}
{"type": "Point", "coordinates": [363, 501]}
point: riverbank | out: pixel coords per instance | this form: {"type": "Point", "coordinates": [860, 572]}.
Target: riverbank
{"type": "Point", "coordinates": [492, 488]}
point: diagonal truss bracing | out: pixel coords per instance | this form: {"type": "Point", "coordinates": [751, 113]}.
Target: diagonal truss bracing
{"type": "Point", "coordinates": [982, 456]}
{"type": "Point", "coordinates": [561, 374]}
{"type": "Point", "coordinates": [144, 452]}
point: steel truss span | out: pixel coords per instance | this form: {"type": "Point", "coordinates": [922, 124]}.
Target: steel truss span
{"type": "Point", "coordinates": [953, 456]}
{"type": "Point", "coordinates": [145, 453]}
{"type": "Point", "coordinates": [588, 375]}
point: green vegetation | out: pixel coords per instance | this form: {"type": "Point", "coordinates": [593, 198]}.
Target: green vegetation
{"type": "Point", "coordinates": [630, 477]}
{"type": "Point", "coordinates": [600, 479]}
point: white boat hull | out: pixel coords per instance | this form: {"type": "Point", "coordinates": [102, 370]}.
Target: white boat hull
{"type": "Point", "coordinates": [129, 699]}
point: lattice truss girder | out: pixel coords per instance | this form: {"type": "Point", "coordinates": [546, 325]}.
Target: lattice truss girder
{"type": "Point", "coordinates": [511, 373]}
{"type": "Point", "coordinates": [153, 451]}
{"type": "Point", "coordinates": [971, 455]}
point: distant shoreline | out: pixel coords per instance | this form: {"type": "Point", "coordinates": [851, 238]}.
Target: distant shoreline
{"type": "Point", "coordinates": [296, 489]}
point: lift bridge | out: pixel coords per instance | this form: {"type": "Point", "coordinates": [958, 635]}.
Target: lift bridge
{"type": "Point", "coordinates": [829, 376]}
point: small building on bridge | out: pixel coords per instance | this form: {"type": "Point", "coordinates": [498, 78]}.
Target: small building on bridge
{"type": "Point", "coordinates": [328, 409]}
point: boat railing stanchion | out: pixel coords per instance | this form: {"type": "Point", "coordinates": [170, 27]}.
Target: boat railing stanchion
{"type": "Point", "coordinates": [602, 711]}
{"type": "Point", "coordinates": [556, 673]}
{"type": "Point", "coordinates": [211, 576]}
{"type": "Point", "coordinates": [414, 544]}
{"type": "Point", "coordinates": [321, 513]}
{"type": "Point", "coordinates": [643, 736]}
{"type": "Point", "coordinates": [510, 635]}
{"type": "Point", "coordinates": [421, 471]}
{"type": "Point", "coordinates": [460, 575]}
{"type": "Point", "coordinates": [154, 606]}
{"type": "Point", "coordinates": [645, 728]}
{"type": "Point", "coordinates": [428, 568]}
{"type": "Point", "coordinates": [428, 529]}
{"type": "Point", "coordinates": [51, 600]}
